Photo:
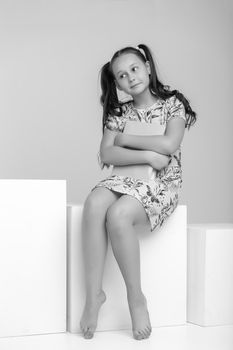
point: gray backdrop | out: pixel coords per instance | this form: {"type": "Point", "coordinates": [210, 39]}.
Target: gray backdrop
{"type": "Point", "coordinates": [51, 54]}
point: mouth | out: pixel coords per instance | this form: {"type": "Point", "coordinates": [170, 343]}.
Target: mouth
{"type": "Point", "coordinates": [133, 86]}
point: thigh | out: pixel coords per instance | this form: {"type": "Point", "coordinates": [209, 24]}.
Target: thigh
{"type": "Point", "coordinates": [128, 208]}
{"type": "Point", "coordinates": [100, 199]}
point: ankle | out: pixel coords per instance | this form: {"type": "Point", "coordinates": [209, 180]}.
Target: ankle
{"type": "Point", "coordinates": [94, 296]}
{"type": "Point", "coordinates": [135, 296]}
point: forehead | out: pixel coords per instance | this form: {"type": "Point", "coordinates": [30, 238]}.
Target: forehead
{"type": "Point", "coordinates": [124, 61]}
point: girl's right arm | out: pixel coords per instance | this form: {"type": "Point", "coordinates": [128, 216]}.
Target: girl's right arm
{"type": "Point", "coordinates": [116, 155]}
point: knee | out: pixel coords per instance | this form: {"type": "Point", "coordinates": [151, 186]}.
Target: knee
{"type": "Point", "coordinates": [93, 203]}
{"type": "Point", "coordinates": [117, 217]}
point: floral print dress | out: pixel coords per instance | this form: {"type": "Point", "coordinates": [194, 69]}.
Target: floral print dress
{"type": "Point", "coordinates": [159, 196]}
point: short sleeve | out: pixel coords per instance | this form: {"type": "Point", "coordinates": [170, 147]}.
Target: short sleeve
{"type": "Point", "coordinates": [114, 123]}
{"type": "Point", "coordinates": [117, 123]}
{"type": "Point", "coordinates": [175, 108]}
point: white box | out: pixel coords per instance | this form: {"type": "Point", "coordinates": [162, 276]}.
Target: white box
{"type": "Point", "coordinates": [210, 274]}
{"type": "Point", "coordinates": [32, 257]}
{"type": "Point", "coordinates": [163, 270]}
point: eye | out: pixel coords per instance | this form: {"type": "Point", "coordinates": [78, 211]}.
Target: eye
{"type": "Point", "coordinates": [122, 76]}
{"type": "Point", "coordinates": [135, 68]}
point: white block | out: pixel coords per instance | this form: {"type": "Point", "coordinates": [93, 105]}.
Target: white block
{"type": "Point", "coordinates": [32, 257]}
{"type": "Point", "coordinates": [210, 274]}
{"type": "Point", "coordinates": [163, 270]}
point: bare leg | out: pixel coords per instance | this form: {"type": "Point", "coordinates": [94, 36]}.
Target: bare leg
{"type": "Point", "coordinates": [121, 217]}
{"type": "Point", "coordinates": [95, 242]}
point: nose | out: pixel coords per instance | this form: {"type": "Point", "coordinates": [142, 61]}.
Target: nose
{"type": "Point", "coordinates": [131, 77]}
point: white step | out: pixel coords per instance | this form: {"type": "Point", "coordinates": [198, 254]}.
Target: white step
{"type": "Point", "coordinates": [210, 274]}
{"type": "Point", "coordinates": [32, 257]}
{"type": "Point", "coordinates": [163, 270]}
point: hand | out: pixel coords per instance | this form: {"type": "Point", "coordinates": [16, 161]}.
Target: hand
{"type": "Point", "coordinates": [156, 160]}
{"type": "Point", "coordinates": [119, 139]}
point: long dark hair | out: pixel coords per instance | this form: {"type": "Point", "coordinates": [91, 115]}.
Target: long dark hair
{"type": "Point", "coordinates": [109, 99]}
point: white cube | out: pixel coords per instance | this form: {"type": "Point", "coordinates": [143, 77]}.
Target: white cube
{"type": "Point", "coordinates": [163, 270]}
{"type": "Point", "coordinates": [32, 257]}
{"type": "Point", "coordinates": [210, 274]}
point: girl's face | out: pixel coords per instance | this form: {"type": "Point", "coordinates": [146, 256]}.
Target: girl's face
{"type": "Point", "coordinates": [131, 74]}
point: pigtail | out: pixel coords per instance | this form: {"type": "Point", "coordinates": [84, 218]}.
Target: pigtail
{"type": "Point", "coordinates": [109, 98]}
{"type": "Point", "coordinates": [163, 91]}
{"type": "Point", "coordinates": [190, 114]}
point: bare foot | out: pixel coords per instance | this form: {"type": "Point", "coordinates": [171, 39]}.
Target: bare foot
{"type": "Point", "coordinates": [89, 318]}
{"type": "Point", "coordinates": [140, 317]}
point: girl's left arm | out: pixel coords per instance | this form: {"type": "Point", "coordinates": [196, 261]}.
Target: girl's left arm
{"type": "Point", "coordinates": [164, 144]}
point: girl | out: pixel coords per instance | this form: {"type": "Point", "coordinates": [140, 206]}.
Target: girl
{"type": "Point", "coordinates": [118, 203]}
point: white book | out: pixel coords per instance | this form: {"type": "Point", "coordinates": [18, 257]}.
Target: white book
{"type": "Point", "coordinates": [139, 171]}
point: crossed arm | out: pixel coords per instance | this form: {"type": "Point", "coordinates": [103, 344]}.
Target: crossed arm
{"type": "Point", "coordinates": [123, 149]}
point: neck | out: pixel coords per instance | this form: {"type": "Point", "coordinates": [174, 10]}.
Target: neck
{"type": "Point", "coordinates": [144, 100]}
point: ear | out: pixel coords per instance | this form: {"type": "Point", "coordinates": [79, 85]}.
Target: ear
{"type": "Point", "coordinates": [148, 67]}
{"type": "Point", "coordinates": [117, 85]}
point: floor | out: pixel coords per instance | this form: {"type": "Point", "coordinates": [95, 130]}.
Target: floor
{"type": "Point", "coordinates": [187, 337]}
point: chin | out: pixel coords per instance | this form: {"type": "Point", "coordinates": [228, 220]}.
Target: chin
{"type": "Point", "coordinates": [138, 91]}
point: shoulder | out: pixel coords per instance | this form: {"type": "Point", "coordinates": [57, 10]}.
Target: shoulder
{"type": "Point", "coordinates": [116, 120]}
{"type": "Point", "coordinates": [123, 108]}
{"type": "Point", "coordinates": [173, 101]}
{"type": "Point", "coordinates": [175, 108]}
{"type": "Point", "coordinates": [126, 107]}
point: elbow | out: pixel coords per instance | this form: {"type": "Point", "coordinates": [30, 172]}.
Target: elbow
{"type": "Point", "coordinates": [171, 147]}
{"type": "Point", "coordinates": [104, 156]}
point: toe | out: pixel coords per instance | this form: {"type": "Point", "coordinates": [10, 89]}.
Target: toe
{"type": "Point", "coordinates": [88, 334]}
{"type": "Point", "coordinates": [138, 335]}
{"type": "Point", "coordinates": [84, 329]}
{"type": "Point", "coordinates": [147, 332]}
{"type": "Point", "coordinates": [144, 333]}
